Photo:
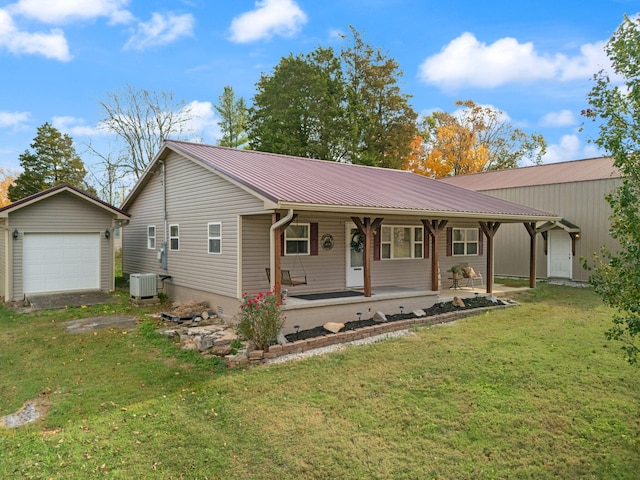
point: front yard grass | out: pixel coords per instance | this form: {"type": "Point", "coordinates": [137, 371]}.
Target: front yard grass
{"type": "Point", "coordinates": [533, 391]}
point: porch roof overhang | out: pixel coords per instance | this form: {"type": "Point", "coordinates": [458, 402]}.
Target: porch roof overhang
{"type": "Point", "coordinates": [561, 223]}
{"type": "Point", "coordinates": [503, 217]}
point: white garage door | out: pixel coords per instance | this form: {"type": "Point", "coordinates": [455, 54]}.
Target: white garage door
{"type": "Point", "coordinates": [58, 262]}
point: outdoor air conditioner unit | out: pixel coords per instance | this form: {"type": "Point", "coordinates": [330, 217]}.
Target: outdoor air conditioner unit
{"type": "Point", "coordinates": [143, 285]}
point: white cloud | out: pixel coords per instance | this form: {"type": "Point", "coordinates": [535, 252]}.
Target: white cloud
{"type": "Point", "coordinates": [204, 122]}
{"type": "Point", "coordinates": [50, 45]}
{"type": "Point", "coordinates": [563, 118]}
{"type": "Point", "coordinates": [569, 148]}
{"type": "Point", "coordinates": [77, 127]}
{"type": "Point", "coordinates": [57, 12]}
{"type": "Point", "coordinates": [270, 17]}
{"type": "Point", "coordinates": [13, 119]}
{"type": "Point", "coordinates": [465, 61]}
{"type": "Point", "coordinates": [161, 30]}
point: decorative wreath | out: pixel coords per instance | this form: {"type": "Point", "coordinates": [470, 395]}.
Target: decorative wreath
{"type": "Point", "coordinates": [357, 242]}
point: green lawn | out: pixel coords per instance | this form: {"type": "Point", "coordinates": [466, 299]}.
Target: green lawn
{"type": "Point", "coordinates": [533, 391]}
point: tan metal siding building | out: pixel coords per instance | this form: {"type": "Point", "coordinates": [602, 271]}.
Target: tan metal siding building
{"type": "Point", "coordinates": [574, 190]}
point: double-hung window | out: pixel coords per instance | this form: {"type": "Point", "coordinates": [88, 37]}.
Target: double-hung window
{"type": "Point", "coordinates": [174, 237]}
{"type": "Point", "coordinates": [401, 242]}
{"type": "Point", "coordinates": [214, 232]}
{"type": "Point", "coordinates": [465, 241]}
{"type": "Point", "coordinates": [151, 237]}
{"type": "Point", "coordinates": [296, 239]}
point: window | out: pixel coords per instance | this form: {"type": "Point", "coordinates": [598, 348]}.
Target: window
{"type": "Point", "coordinates": [401, 242]}
{"type": "Point", "coordinates": [296, 239]}
{"type": "Point", "coordinates": [174, 237]}
{"type": "Point", "coordinates": [151, 237]}
{"type": "Point", "coordinates": [465, 241]}
{"type": "Point", "coordinates": [215, 237]}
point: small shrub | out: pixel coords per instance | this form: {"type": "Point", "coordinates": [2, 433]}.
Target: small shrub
{"type": "Point", "coordinates": [260, 319]}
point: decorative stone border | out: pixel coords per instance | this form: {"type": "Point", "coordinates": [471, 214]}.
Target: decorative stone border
{"type": "Point", "coordinates": [301, 346]}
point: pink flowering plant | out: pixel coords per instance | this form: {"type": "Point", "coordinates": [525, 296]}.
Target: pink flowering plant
{"type": "Point", "coordinates": [261, 319]}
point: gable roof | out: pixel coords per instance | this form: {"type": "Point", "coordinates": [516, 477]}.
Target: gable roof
{"type": "Point", "coordinates": [283, 181]}
{"type": "Point", "coordinates": [563, 172]}
{"type": "Point", "coordinates": [63, 187]}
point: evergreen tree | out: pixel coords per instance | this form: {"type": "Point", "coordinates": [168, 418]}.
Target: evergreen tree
{"type": "Point", "coordinates": [233, 123]}
{"type": "Point", "coordinates": [53, 161]}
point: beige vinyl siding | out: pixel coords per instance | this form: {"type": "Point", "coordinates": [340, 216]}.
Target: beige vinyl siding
{"type": "Point", "coordinates": [405, 272]}
{"type": "Point", "coordinates": [195, 197]}
{"type": "Point", "coordinates": [327, 270]}
{"type": "Point", "coordinates": [478, 262]}
{"type": "Point", "coordinates": [581, 203]}
{"type": "Point", "coordinates": [62, 213]}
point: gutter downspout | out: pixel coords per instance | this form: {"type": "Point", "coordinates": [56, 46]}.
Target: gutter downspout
{"type": "Point", "coordinates": [272, 257]}
{"type": "Point", "coordinates": [163, 260]}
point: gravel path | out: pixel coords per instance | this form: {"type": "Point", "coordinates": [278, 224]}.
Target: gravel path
{"type": "Point", "coordinates": [338, 346]}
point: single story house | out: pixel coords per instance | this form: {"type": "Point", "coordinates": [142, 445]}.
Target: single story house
{"type": "Point", "coordinates": [214, 223]}
{"type": "Point", "coordinates": [574, 190]}
{"type": "Point", "coordinates": [58, 240]}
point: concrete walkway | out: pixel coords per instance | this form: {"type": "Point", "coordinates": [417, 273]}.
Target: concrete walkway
{"type": "Point", "coordinates": [68, 299]}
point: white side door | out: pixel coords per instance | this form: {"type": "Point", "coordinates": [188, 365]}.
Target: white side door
{"type": "Point", "coordinates": [559, 258]}
{"type": "Point", "coordinates": [355, 260]}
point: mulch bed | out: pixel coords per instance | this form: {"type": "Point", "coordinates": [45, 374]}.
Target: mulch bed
{"type": "Point", "coordinates": [437, 309]}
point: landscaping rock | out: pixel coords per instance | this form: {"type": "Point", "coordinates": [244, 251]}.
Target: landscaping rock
{"type": "Point", "coordinates": [379, 317]}
{"type": "Point", "coordinates": [333, 327]}
{"type": "Point", "coordinates": [419, 313]}
{"type": "Point", "coordinates": [282, 339]}
{"type": "Point", "coordinates": [457, 302]}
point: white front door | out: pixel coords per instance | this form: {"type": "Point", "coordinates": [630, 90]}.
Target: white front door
{"type": "Point", "coordinates": [559, 258]}
{"type": "Point", "coordinates": [355, 259]}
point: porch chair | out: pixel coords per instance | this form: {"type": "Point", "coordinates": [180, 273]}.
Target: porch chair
{"type": "Point", "coordinates": [285, 278]}
{"type": "Point", "coordinates": [471, 275]}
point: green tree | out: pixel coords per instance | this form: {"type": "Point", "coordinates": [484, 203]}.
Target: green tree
{"type": "Point", "coordinates": [381, 120]}
{"type": "Point", "coordinates": [233, 113]}
{"type": "Point", "coordinates": [299, 108]}
{"type": "Point", "coordinates": [53, 161]}
{"type": "Point", "coordinates": [483, 140]}
{"type": "Point", "coordinates": [617, 107]}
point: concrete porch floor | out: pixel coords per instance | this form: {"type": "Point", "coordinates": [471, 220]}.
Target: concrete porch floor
{"type": "Point", "coordinates": [387, 299]}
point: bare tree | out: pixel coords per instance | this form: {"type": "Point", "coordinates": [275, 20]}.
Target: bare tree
{"type": "Point", "coordinates": [143, 119]}
{"type": "Point", "coordinates": [109, 176]}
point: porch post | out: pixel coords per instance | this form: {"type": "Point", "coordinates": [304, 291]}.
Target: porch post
{"type": "Point", "coordinates": [276, 275]}
{"type": "Point", "coordinates": [433, 228]}
{"type": "Point", "coordinates": [367, 228]}
{"type": "Point", "coordinates": [531, 230]}
{"type": "Point", "coordinates": [489, 229]}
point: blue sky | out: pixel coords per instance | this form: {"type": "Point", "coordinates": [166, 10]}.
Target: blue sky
{"type": "Point", "coordinates": [532, 60]}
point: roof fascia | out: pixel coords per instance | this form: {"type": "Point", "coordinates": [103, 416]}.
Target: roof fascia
{"type": "Point", "coordinates": [349, 209]}
{"type": "Point", "coordinates": [119, 214]}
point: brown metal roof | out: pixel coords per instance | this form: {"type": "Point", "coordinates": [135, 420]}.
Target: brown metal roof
{"type": "Point", "coordinates": [284, 181]}
{"type": "Point", "coordinates": [58, 188]}
{"type": "Point", "coordinates": [563, 172]}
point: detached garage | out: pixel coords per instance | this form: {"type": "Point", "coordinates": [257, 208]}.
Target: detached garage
{"type": "Point", "coordinates": [59, 240]}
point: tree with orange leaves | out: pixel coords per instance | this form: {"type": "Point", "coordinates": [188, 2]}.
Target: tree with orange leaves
{"type": "Point", "coordinates": [7, 178]}
{"type": "Point", "coordinates": [473, 139]}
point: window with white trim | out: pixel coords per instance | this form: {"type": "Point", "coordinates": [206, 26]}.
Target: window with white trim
{"type": "Point", "coordinates": [214, 237]}
{"type": "Point", "coordinates": [296, 239]}
{"type": "Point", "coordinates": [174, 237]}
{"type": "Point", "coordinates": [401, 242]}
{"type": "Point", "coordinates": [465, 241]}
{"type": "Point", "coordinates": [151, 237]}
